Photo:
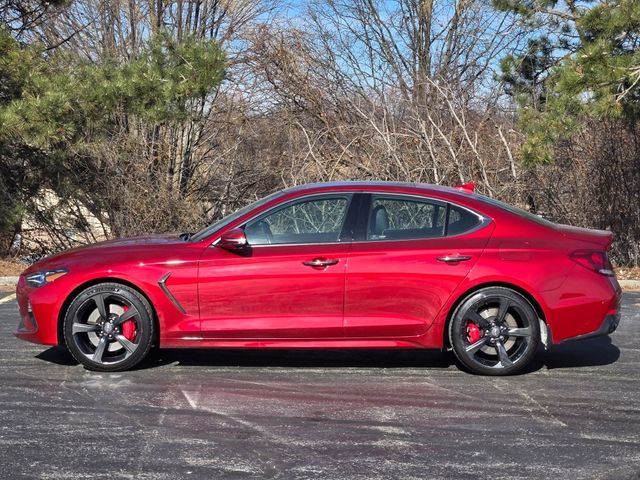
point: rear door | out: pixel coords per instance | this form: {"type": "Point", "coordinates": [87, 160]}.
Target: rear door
{"type": "Point", "coordinates": [409, 255]}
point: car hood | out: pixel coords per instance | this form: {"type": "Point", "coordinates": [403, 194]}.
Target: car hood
{"type": "Point", "coordinates": [102, 249]}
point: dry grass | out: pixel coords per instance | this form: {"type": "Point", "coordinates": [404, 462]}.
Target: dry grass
{"type": "Point", "coordinates": [628, 273]}
{"type": "Point", "coordinates": [10, 267]}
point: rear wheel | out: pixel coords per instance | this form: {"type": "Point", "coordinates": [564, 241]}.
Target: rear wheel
{"type": "Point", "coordinates": [109, 327]}
{"type": "Point", "coordinates": [495, 331]}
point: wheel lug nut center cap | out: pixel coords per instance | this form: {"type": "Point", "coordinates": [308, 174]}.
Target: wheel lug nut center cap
{"type": "Point", "coordinates": [108, 328]}
{"type": "Point", "coordinates": [495, 332]}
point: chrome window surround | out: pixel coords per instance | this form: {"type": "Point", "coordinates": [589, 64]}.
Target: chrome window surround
{"type": "Point", "coordinates": [348, 196]}
{"type": "Point", "coordinates": [484, 221]}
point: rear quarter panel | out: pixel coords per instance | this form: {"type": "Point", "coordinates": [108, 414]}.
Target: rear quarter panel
{"type": "Point", "coordinates": [520, 254]}
{"type": "Point", "coordinates": [535, 259]}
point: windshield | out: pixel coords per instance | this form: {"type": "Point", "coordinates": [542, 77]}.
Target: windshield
{"type": "Point", "coordinates": [211, 229]}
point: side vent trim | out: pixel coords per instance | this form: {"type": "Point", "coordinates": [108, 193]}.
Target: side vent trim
{"type": "Point", "coordinates": [163, 285]}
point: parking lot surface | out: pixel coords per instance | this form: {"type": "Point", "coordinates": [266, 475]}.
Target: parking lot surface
{"type": "Point", "coordinates": [322, 414]}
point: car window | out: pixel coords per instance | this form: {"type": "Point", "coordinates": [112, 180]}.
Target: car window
{"type": "Point", "coordinates": [461, 220]}
{"type": "Point", "coordinates": [515, 210]}
{"type": "Point", "coordinates": [405, 218]}
{"type": "Point", "coordinates": [211, 229]}
{"type": "Point", "coordinates": [312, 221]}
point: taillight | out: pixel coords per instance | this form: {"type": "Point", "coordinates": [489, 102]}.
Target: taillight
{"type": "Point", "coordinates": [594, 260]}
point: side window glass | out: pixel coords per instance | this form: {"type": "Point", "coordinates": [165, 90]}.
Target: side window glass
{"type": "Point", "coordinates": [460, 220]}
{"type": "Point", "coordinates": [311, 221]}
{"type": "Point", "coordinates": [404, 219]}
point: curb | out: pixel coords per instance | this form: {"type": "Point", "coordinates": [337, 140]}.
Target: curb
{"type": "Point", "coordinates": [630, 284]}
{"type": "Point", "coordinates": [8, 280]}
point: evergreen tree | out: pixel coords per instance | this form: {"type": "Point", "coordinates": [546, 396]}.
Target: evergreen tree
{"type": "Point", "coordinates": [588, 67]}
{"type": "Point", "coordinates": [57, 110]}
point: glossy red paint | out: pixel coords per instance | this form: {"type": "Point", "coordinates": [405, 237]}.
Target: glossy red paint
{"type": "Point", "coordinates": [403, 285]}
{"type": "Point", "coordinates": [270, 293]}
{"type": "Point", "coordinates": [469, 187]}
{"type": "Point", "coordinates": [360, 293]}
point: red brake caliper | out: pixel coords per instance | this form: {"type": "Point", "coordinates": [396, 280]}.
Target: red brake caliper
{"type": "Point", "coordinates": [473, 332]}
{"type": "Point", "coordinates": [128, 328]}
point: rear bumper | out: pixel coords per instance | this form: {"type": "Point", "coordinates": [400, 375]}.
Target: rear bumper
{"type": "Point", "coordinates": [608, 326]}
{"type": "Point", "coordinates": [598, 316]}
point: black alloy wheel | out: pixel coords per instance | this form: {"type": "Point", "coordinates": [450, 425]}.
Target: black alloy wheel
{"type": "Point", "coordinates": [109, 327]}
{"type": "Point", "coordinates": [495, 331]}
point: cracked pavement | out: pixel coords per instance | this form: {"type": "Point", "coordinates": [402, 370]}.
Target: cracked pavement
{"type": "Point", "coordinates": [322, 414]}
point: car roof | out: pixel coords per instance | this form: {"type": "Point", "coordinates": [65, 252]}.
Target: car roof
{"type": "Point", "coordinates": [374, 185]}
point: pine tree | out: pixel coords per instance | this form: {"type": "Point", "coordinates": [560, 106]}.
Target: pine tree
{"type": "Point", "coordinates": [57, 110]}
{"type": "Point", "coordinates": [587, 67]}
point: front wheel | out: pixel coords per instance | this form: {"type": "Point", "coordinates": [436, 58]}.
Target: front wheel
{"type": "Point", "coordinates": [109, 327]}
{"type": "Point", "coordinates": [495, 331]}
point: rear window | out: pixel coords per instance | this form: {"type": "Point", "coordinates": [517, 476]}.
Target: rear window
{"type": "Point", "coordinates": [461, 220]}
{"type": "Point", "coordinates": [404, 218]}
{"type": "Point", "coordinates": [413, 218]}
{"type": "Point", "coordinates": [515, 210]}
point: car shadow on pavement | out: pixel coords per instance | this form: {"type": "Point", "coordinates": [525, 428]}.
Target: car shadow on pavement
{"type": "Point", "coordinates": [57, 355]}
{"type": "Point", "coordinates": [307, 358]}
{"type": "Point", "coordinates": [583, 353]}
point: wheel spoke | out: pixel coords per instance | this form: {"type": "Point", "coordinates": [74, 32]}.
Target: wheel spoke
{"type": "Point", "coordinates": [103, 306]}
{"type": "Point", "coordinates": [84, 328]}
{"type": "Point", "coordinates": [129, 346]}
{"type": "Point", "coordinates": [474, 347]}
{"type": "Point", "coordinates": [478, 319]}
{"type": "Point", "coordinates": [97, 355]}
{"type": "Point", "coordinates": [503, 355]}
{"type": "Point", "coordinates": [128, 315]}
{"type": "Point", "coordinates": [519, 332]}
{"type": "Point", "coordinates": [502, 310]}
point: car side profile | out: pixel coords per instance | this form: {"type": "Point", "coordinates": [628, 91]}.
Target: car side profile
{"type": "Point", "coordinates": [333, 265]}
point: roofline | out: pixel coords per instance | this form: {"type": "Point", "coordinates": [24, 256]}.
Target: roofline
{"type": "Point", "coordinates": [477, 202]}
{"type": "Point", "coordinates": [364, 185]}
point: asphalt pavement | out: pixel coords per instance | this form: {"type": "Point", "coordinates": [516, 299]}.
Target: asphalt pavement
{"type": "Point", "coordinates": [405, 414]}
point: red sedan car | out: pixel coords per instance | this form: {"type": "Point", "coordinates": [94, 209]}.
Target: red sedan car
{"type": "Point", "coordinates": [337, 265]}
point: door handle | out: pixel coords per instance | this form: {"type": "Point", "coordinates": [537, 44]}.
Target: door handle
{"type": "Point", "coordinates": [454, 258]}
{"type": "Point", "coordinates": [320, 262]}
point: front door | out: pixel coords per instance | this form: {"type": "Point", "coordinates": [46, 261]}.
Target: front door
{"type": "Point", "coordinates": [289, 283]}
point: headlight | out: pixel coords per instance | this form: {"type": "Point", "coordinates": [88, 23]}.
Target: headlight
{"type": "Point", "coordinates": [39, 279]}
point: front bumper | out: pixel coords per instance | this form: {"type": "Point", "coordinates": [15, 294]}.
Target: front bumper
{"type": "Point", "coordinates": [28, 324]}
{"type": "Point", "coordinates": [38, 314]}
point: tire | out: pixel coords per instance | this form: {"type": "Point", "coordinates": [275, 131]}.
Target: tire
{"type": "Point", "coordinates": [495, 331]}
{"type": "Point", "coordinates": [109, 327]}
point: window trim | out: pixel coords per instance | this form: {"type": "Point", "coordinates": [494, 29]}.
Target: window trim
{"type": "Point", "coordinates": [357, 213]}
{"type": "Point", "coordinates": [484, 221]}
{"type": "Point", "coordinates": [352, 201]}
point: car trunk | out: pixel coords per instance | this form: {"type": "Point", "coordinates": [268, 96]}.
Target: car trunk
{"type": "Point", "coordinates": [598, 238]}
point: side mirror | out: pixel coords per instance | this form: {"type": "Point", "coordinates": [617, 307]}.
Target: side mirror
{"type": "Point", "coordinates": [234, 240]}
